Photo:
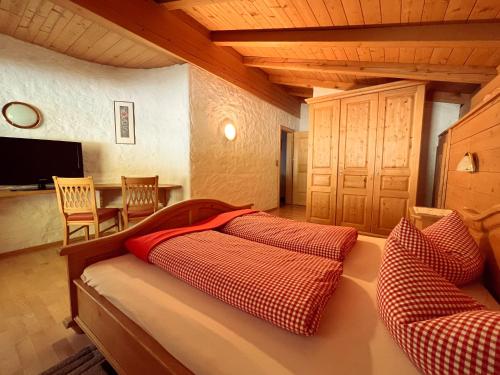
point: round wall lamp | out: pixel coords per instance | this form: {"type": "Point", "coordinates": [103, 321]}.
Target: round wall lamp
{"type": "Point", "coordinates": [230, 131]}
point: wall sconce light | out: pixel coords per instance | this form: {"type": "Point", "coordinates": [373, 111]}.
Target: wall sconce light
{"type": "Point", "coordinates": [467, 164]}
{"type": "Point", "coordinates": [230, 131]}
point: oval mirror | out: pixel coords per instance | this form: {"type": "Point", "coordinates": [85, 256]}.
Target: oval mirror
{"type": "Point", "coordinates": [21, 115]}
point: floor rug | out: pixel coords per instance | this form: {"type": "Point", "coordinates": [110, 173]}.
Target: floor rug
{"type": "Point", "coordinates": [87, 361]}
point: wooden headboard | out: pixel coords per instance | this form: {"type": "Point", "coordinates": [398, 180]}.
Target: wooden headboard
{"type": "Point", "coordinates": [485, 228]}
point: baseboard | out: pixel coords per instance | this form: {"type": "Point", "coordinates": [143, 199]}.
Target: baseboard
{"type": "Point", "coordinates": [41, 247]}
{"type": "Point", "coordinates": [46, 246]}
{"type": "Point", "coordinates": [30, 249]}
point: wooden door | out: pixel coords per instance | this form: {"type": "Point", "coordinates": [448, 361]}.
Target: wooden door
{"type": "Point", "coordinates": [322, 162]}
{"type": "Point", "coordinates": [300, 140]}
{"type": "Point", "coordinates": [397, 156]}
{"type": "Point", "coordinates": [356, 161]}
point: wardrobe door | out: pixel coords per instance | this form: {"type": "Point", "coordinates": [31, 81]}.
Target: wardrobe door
{"type": "Point", "coordinates": [358, 128]}
{"type": "Point", "coordinates": [322, 162]}
{"type": "Point", "coordinates": [397, 157]}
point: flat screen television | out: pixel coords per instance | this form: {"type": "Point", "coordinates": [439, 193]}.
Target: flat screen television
{"type": "Point", "coordinates": [34, 161]}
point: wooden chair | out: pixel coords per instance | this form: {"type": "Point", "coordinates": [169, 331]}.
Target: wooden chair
{"type": "Point", "coordinates": [77, 205]}
{"type": "Point", "coordinates": [140, 198]}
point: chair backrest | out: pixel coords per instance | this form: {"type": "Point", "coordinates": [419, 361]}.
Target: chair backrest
{"type": "Point", "coordinates": [140, 193]}
{"type": "Point", "coordinates": [75, 195]}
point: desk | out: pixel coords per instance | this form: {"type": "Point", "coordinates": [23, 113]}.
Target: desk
{"type": "Point", "coordinates": [101, 189]}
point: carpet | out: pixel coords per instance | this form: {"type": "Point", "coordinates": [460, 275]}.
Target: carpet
{"type": "Point", "coordinates": [87, 361]}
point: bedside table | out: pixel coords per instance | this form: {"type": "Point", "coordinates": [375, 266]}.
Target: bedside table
{"type": "Point", "coordinates": [422, 217]}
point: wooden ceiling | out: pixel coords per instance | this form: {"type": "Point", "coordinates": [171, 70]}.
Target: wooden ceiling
{"type": "Point", "coordinates": [280, 14]}
{"type": "Point", "coordinates": [277, 47]}
{"type": "Point", "coordinates": [55, 27]}
{"type": "Point", "coordinates": [351, 43]}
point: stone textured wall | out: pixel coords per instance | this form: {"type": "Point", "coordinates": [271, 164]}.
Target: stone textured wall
{"type": "Point", "coordinates": [76, 99]}
{"type": "Point", "coordinates": [240, 171]}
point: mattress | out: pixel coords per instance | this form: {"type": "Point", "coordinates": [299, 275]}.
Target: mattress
{"type": "Point", "coordinates": [211, 337]}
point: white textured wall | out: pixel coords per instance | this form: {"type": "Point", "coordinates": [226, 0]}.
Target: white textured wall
{"type": "Point", "coordinates": [76, 99]}
{"type": "Point", "coordinates": [244, 170]}
{"type": "Point", "coordinates": [304, 118]}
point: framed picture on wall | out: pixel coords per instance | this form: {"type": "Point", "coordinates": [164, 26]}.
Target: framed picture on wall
{"type": "Point", "coordinates": [124, 123]}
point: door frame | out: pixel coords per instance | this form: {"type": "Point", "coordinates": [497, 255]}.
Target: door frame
{"type": "Point", "coordinates": [278, 164]}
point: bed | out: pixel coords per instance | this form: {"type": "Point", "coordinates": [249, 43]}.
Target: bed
{"type": "Point", "coordinates": [145, 321]}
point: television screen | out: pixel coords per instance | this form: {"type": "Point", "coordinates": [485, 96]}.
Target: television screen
{"type": "Point", "coordinates": [35, 161]}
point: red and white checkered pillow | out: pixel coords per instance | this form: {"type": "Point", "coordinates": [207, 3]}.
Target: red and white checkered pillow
{"type": "Point", "coordinates": [451, 236]}
{"type": "Point", "coordinates": [409, 291]}
{"type": "Point", "coordinates": [417, 244]}
{"type": "Point", "coordinates": [465, 343]}
{"type": "Point", "coordinates": [327, 241]}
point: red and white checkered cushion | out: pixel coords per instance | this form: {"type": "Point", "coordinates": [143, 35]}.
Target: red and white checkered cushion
{"type": "Point", "coordinates": [416, 243]}
{"type": "Point", "coordinates": [451, 236]}
{"type": "Point", "coordinates": [285, 288]}
{"type": "Point", "coordinates": [323, 240]}
{"type": "Point", "coordinates": [409, 291]}
{"type": "Point", "coordinates": [465, 343]}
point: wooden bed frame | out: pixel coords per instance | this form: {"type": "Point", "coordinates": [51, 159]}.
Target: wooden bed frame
{"type": "Point", "coordinates": [131, 350]}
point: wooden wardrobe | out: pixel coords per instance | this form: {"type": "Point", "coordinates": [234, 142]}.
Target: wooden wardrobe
{"type": "Point", "coordinates": [364, 149]}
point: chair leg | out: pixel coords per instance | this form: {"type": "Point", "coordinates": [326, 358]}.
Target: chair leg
{"type": "Point", "coordinates": [125, 221]}
{"type": "Point", "coordinates": [118, 221]}
{"type": "Point", "coordinates": [65, 235]}
{"type": "Point", "coordinates": [87, 234]}
{"type": "Point", "coordinates": [96, 229]}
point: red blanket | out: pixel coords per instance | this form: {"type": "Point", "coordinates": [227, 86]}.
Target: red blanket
{"type": "Point", "coordinates": [283, 287]}
{"type": "Point", "coordinates": [323, 240]}
{"type": "Point", "coordinates": [141, 246]}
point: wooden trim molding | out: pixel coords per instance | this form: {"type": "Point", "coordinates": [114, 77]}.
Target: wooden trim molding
{"type": "Point", "coordinates": [459, 35]}
{"type": "Point", "coordinates": [365, 90]}
{"type": "Point", "coordinates": [173, 33]}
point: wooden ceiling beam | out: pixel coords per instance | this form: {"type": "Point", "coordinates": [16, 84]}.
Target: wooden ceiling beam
{"type": "Point", "coordinates": [167, 30]}
{"type": "Point", "coordinates": [182, 4]}
{"type": "Point", "coordinates": [310, 83]}
{"type": "Point", "coordinates": [301, 92]}
{"type": "Point", "coordinates": [431, 72]}
{"type": "Point", "coordinates": [478, 34]}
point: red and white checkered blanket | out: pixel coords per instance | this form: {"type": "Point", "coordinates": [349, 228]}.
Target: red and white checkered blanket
{"type": "Point", "coordinates": [323, 240]}
{"type": "Point", "coordinates": [285, 288]}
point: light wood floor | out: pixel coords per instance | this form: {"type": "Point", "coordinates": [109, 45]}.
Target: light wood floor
{"type": "Point", "coordinates": [34, 302]}
{"type": "Point", "coordinates": [297, 213]}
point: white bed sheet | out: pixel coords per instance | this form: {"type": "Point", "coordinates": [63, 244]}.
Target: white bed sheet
{"type": "Point", "coordinates": [211, 337]}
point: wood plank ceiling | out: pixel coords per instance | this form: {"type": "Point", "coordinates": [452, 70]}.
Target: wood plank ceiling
{"type": "Point", "coordinates": [466, 53]}
{"type": "Point", "coordinates": [223, 15]}
{"type": "Point", "coordinates": [52, 26]}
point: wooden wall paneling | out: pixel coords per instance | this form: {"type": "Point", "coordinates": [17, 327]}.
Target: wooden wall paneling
{"type": "Point", "coordinates": [479, 133]}
{"type": "Point", "coordinates": [300, 151]}
{"type": "Point", "coordinates": [397, 156]}
{"type": "Point", "coordinates": [322, 162]}
{"type": "Point", "coordinates": [356, 161]}
{"type": "Point", "coordinates": [488, 90]}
